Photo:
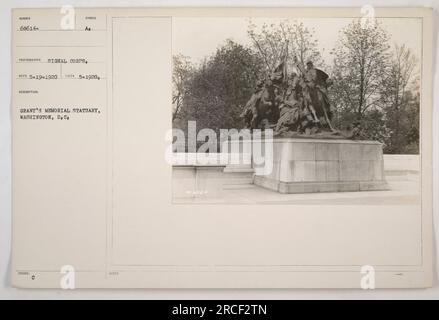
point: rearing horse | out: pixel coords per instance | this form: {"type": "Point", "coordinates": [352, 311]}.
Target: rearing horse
{"type": "Point", "coordinates": [265, 107]}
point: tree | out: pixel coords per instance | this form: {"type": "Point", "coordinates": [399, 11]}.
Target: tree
{"type": "Point", "coordinates": [411, 145]}
{"type": "Point", "coordinates": [182, 71]}
{"type": "Point", "coordinates": [219, 88]}
{"type": "Point", "coordinates": [360, 63]}
{"type": "Point", "coordinates": [287, 39]}
{"type": "Point", "coordinates": [399, 98]}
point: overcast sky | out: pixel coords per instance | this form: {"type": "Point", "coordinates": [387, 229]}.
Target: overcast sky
{"type": "Point", "coordinates": [200, 37]}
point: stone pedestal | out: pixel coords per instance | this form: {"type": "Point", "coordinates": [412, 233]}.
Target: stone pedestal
{"type": "Point", "coordinates": [323, 165]}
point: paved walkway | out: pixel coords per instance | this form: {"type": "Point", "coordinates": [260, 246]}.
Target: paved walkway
{"type": "Point", "coordinates": [403, 191]}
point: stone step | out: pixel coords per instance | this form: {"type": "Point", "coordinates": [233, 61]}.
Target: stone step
{"type": "Point", "coordinates": [239, 186]}
{"type": "Point", "coordinates": [237, 178]}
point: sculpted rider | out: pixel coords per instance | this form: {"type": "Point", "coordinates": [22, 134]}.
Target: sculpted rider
{"type": "Point", "coordinates": [290, 107]}
{"type": "Point", "coordinates": [250, 112]}
{"type": "Point", "coordinates": [294, 106]}
{"type": "Point", "coordinates": [315, 83]}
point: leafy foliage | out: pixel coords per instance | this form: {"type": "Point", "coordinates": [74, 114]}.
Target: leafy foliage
{"type": "Point", "coordinates": [182, 71]}
{"type": "Point", "coordinates": [221, 86]}
{"type": "Point", "coordinates": [371, 84]}
{"type": "Point", "coordinates": [375, 86]}
{"type": "Point", "coordinates": [287, 39]}
{"type": "Point", "coordinates": [360, 61]}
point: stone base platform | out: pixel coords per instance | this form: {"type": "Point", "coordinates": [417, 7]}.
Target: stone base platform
{"type": "Point", "coordinates": [314, 187]}
{"type": "Point", "coordinates": [323, 165]}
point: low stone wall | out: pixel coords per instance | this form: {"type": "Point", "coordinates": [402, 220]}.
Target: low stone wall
{"type": "Point", "coordinates": [194, 179]}
{"type": "Point", "coordinates": [197, 181]}
{"type": "Point", "coordinates": [401, 163]}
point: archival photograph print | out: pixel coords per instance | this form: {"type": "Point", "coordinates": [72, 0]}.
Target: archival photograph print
{"type": "Point", "coordinates": [296, 111]}
{"type": "Point", "coordinates": [222, 148]}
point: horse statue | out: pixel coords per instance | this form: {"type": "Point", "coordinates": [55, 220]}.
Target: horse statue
{"type": "Point", "coordinates": [291, 104]}
{"type": "Point", "coordinates": [261, 111]}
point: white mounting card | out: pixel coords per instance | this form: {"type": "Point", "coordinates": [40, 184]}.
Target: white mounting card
{"type": "Point", "coordinates": [100, 200]}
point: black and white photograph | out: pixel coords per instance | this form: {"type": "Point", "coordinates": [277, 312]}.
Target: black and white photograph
{"type": "Point", "coordinates": [300, 111]}
{"type": "Point", "coordinates": [257, 149]}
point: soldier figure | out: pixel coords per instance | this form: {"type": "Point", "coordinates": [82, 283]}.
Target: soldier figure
{"type": "Point", "coordinates": [296, 104]}
{"type": "Point", "coordinates": [250, 112]}
{"type": "Point", "coordinates": [289, 107]}
{"type": "Point", "coordinates": [317, 106]}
